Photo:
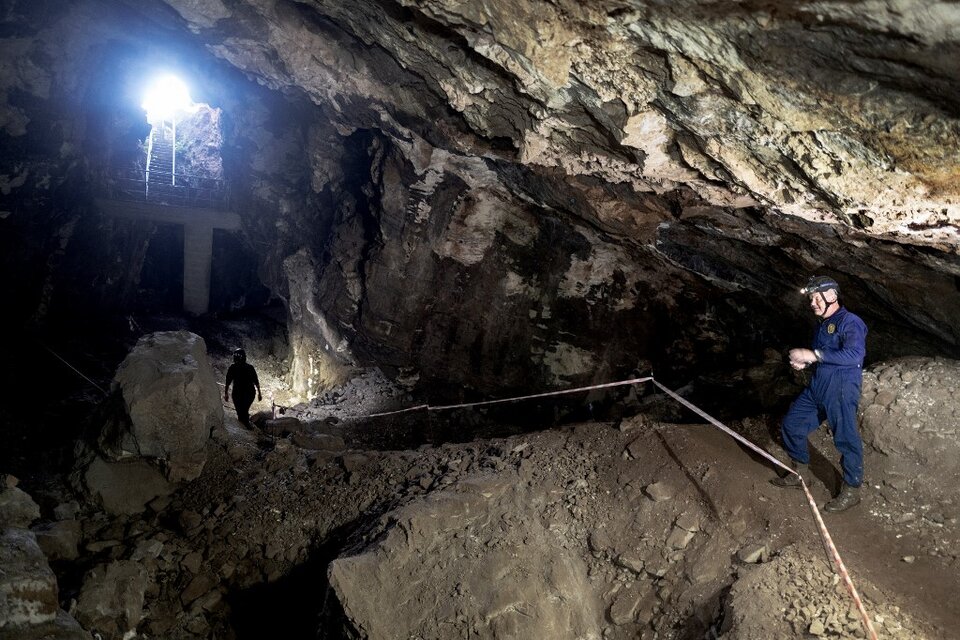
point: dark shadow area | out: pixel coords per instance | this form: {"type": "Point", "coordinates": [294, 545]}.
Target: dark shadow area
{"type": "Point", "coordinates": [161, 280]}
{"type": "Point", "coordinates": [297, 605]}
{"type": "Point", "coordinates": [234, 283]}
{"type": "Point", "coordinates": [50, 400]}
{"type": "Point", "coordinates": [824, 470]}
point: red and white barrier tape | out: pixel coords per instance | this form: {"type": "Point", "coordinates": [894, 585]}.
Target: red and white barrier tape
{"type": "Point", "coordinates": [419, 407]}
{"type": "Point", "coordinates": [824, 533]}
{"type": "Point", "coordinates": [463, 405]}
{"type": "Point", "coordinates": [606, 385]}
{"type": "Point", "coordinates": [841, 567]}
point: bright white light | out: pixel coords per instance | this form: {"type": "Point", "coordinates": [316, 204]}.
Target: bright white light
{"type": "Point", "coordinates": [165, 97]}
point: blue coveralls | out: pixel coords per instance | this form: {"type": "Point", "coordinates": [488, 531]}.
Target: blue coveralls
{"type": "Point", "coordinates": [833, 394]}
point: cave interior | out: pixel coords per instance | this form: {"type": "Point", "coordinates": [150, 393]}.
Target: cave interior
{"type": "Point", "coordinates": [392, 204]}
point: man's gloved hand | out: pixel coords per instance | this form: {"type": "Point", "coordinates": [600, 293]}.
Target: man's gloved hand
{"type": "Point", "coordinates": [802, 358]}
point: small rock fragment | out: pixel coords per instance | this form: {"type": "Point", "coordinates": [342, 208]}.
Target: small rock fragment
{"type": "Point", "coordinates": [679, 538]}
{"type": "Point", "coordinates": [753, 553]}
{"type": "Point", "coordinates": [689, 522]}
{"type": "Point", "coordinates": [599, 540]}
{"type": "Point", "coordinates": [658, 491]}
{"type": "Point", "coordinates": [630, 561]}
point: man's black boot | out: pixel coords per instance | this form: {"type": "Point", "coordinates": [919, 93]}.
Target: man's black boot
{"type": "Point", "coordinates": [847, 498]}
{"type": "Point", "coordinates": [790, 480]}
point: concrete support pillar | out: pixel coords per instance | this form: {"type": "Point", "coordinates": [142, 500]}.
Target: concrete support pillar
{"type": "Point", "coordinates": [197, 258]}
{"type": "Point", "coordinates": [198, 225]}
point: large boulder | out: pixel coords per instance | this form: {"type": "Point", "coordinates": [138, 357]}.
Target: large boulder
{"type": "Point", "coordinates": [125, 487]}
{"type": "Point", "coordinates": [28, 587]}
{"type": "Point", "coordinates": [463, 562]}
{"type": "Point", "coordinates": [171, 402]}
{"type": "Point", "coordinates": [111, 599]}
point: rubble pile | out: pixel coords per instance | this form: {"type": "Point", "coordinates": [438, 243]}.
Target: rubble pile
{"type": "Point", "coordinates": [796, 596]}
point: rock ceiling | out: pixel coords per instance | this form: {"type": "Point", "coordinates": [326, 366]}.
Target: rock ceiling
{"type": "Point", "coordinates": [838, 112]}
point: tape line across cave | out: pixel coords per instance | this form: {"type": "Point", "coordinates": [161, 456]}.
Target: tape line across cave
{"type": "Point", "coordinates": [822, 527]}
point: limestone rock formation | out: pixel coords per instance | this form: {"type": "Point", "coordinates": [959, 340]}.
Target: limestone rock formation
{"type": "Point", "coordinates": [172, 401]}
{"type": "Point", "coordinates": [29, 587]}
{"type": "Point", "coordinates": [29, 604]}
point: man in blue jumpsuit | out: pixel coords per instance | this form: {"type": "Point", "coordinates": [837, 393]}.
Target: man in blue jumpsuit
{"type": "Point", "coordinates": [834, 392]}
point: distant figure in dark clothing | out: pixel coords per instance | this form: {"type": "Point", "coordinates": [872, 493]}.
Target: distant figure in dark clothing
{"type": "Point", "coordinates": [244, 379]}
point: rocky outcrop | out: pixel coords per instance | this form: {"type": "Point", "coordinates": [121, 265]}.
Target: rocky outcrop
{"type": "Point", "coordinates": [29, 597]}
{"type": "Point", "coordinates": [156, 425]}
{"type": "Point", "coordinates": [171, 401]}
{"type": "Point", "coordinates": [29, 587]}
{"type": "Point", "coordinates": [126, 486]}
{"type": "Point", "coordinates": [111, 599]}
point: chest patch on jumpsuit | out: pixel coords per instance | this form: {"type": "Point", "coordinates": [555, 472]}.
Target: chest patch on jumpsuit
{"type": "Point", "coordinates": [831, 328]}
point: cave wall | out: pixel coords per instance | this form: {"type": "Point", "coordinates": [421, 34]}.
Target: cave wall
{"type": "Point", "coordinates": [515, 195]}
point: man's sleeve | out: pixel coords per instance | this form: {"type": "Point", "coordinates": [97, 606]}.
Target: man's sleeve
{"type": "Point", "coordinates": [853, 345]}
{"type": "Point", "coordinates": [229, 375]}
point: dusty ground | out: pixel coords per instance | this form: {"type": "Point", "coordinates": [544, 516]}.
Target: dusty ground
{"type": "Point", "coordinates": [285, 512]}
{"type": "Point", "coordinates": [495, 528]}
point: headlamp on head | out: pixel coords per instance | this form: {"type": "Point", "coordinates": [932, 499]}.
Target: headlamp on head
{"type": "Point", "coordinates": [819, 284]}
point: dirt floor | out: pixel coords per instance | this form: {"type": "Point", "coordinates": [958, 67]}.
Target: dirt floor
{"type": "Point", "coordinates": [516, 521]}
{"type": "Point", "coordinates": [900, 545]}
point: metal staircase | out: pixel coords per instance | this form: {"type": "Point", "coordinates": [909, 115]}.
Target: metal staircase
{"type": "Point", "coordinates": [160, 176]}
{"type": "Point", "coordinates": [160, 183]}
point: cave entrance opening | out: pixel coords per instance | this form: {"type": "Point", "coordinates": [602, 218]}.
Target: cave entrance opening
{"type": "Point", "coordinates": [181, 158]}
{"type": "Point", "coordinates": [180, 181]}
